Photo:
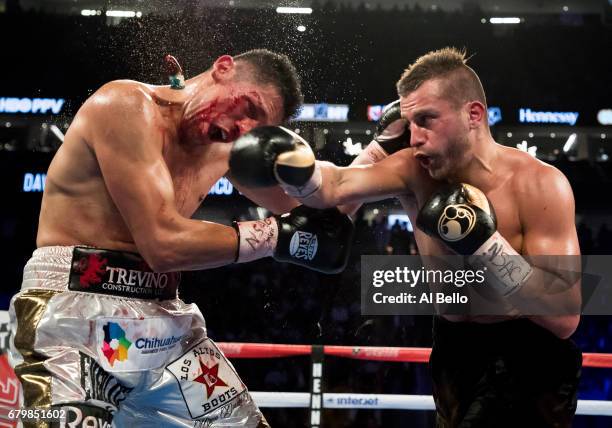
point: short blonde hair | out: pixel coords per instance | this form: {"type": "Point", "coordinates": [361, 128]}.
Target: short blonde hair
{"type": "Point", "coordinates": [461, 83]}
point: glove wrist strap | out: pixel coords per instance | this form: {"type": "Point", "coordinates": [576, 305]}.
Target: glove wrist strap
{"type": "Point", "coordinates": [371, 154]}
{"type": "Point", "coordinates": [256, 239]}
{"type": "Point", "coordinates": [506, 270]}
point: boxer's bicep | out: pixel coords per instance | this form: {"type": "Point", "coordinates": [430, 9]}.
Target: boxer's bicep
{"type": "Point", "coordinates": [550, 238]}
{"type": "Point", "coordinates": [141, 189]}
{"type": "Point", "coordinates": [134, 172]}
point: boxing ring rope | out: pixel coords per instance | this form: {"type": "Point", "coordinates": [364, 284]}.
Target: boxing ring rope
{"type": "Point", "coordinates": [374, 401]}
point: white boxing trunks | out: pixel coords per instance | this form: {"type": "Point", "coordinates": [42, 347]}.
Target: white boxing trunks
{"type": "Point", "coordinates": [100, 337]}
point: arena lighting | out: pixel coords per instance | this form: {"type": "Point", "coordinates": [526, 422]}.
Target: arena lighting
{"type": "Point", "coordinates": [509, 20]}
{"type": "Point", "coordinates": [524, 147]}
{"type": "Point", "coordinates": [56, 131]}
{"type": "Point", "coordinates": [123, 13]}
{"type": "Point", "coordinates": [302, 10]}
{"type": "Point", "coordinates": [301, 28]}
{"type": "Point", "coordinates": [352, 148]}
{"type": "Point", "coordinates": [604, 116]}
{"type": "Point", "coordinates": [569, 144]}
{"type": "Point", "coordinates": [89, 12]}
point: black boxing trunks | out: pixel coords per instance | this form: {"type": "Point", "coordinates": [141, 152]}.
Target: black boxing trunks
{"type": "Point", "coordinates": [102, 338]}
{"type": "Point", "coordinates": [507, 374]}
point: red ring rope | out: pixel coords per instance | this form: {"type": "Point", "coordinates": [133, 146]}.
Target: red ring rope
{"type": "Point", "coordinates": [373, 353]}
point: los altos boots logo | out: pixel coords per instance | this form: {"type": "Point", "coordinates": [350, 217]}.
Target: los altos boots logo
{"type": "Point", "coordinates": [207, 380]}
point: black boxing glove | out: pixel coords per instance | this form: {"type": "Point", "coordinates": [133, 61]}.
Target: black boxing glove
{"type": "Point", "coordinates": [271, 155]}
{"type": "Point", "coordinates": [463, 218]}
{"type": "Point", "coordinates": [392, 135]}
{"type": "Point", "coordinates": [316, 239]}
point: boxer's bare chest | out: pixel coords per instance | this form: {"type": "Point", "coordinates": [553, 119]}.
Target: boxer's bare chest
{"type": "Point", "coordinates": [506, 204]}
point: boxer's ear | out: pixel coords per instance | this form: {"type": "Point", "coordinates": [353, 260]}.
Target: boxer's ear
{"type": "Point", "coordinates": [477, 114]}
{"type": "Point", "coordinates": [224, 68]}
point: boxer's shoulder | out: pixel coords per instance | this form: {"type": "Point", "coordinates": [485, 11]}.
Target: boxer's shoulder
{"type": "Point", "coordinates": [529, 174]}
{"type": "Point", "coordinates": [125, 99]}
{"type": "Point", "coordinates": [123, 106]}
{"type": "Point", "coordinates": [537, 186]}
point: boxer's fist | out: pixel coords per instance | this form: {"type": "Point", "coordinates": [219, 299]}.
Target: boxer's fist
{"type": "Point", "coordinates": [271, 155]}
{"type": "Point", "coordinates": [392, 132]}
{"type": "Point", "coordinates": [461, 216]}
{"type": "Point", "coordinates": [316, 239]}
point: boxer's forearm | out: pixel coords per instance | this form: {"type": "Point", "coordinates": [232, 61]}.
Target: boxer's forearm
{"type": "Point", "coordinates": [184, 244]}
{"type": "Point", "coordinates": [546, 283]}
{"type": "Point", "coordinates": [328, 194]}
{"type": "Point", "coordinates": [555, 298]}
{"type": "Point", "coordinates": [373, 153]}
{"type": "Point", "coordinates": [352, 185]}
{"type": "Point", "coordinates": [548, 293]}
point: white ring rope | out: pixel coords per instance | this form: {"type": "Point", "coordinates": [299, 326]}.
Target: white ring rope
{"type": "Point", "coordinates": [387, 401]}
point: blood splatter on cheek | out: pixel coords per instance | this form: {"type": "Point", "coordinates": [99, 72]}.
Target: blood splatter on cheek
{"type": "Point", "coordinates": [200, 115]}
{"type": "Point", "coordinates": [200, 120]}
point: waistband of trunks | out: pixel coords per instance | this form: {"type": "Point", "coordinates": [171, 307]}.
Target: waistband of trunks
{"type": "Point", "coordinates": [95, 270]}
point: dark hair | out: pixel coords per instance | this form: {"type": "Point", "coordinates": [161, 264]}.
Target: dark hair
{"type": "Point", "coordinates": [276, 69]}
{"type": "Point", "coordinates": [461, 83]}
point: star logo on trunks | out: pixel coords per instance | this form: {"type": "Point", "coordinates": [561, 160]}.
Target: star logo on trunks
{"type": "Point", "coordinates": [207, 380]}
{"type": "Point", "coordinates": [210, 378]}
